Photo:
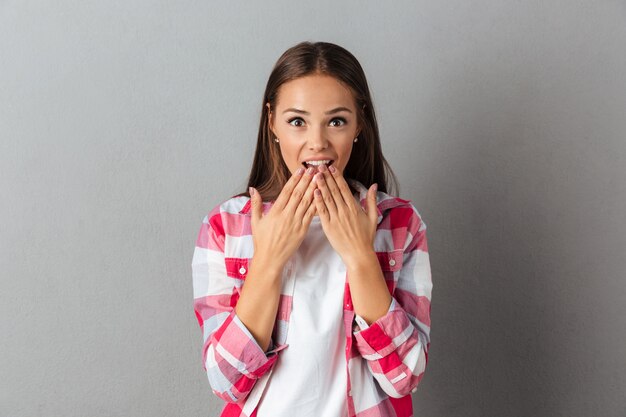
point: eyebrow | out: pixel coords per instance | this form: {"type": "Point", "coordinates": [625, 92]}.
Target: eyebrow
{"type": "Point", "coordinates": [335, 110]}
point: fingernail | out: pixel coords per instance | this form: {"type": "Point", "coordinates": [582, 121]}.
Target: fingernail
{"type": "Point", "coordinates": [332, 169]}
{"type": "Point", "coordinates": [322, 168]}
{"type": "Point", "coordinates": [375, 187]}
{"type": "Point", "coordinates": [251, 191]}
{"type": "Point", "coordinates": [310, 170]}
{"type": "Point", "coordinates": [299, 171]}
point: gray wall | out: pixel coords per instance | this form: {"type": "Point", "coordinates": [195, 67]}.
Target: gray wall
{"type": "Point", "coordinates": [122, 124]}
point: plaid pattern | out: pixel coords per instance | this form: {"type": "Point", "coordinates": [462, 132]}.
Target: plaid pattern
{"type": "Point", "coordinates": [385, 361]}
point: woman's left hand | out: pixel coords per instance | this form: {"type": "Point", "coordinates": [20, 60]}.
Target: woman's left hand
{"type": "Point", "coordinates": [349, 229]}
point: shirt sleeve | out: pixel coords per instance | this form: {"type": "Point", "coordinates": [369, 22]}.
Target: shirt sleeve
{"type": "Point", "coordinates": [232, 358]}
{"type": "Point", "coordinates": [396, 345]}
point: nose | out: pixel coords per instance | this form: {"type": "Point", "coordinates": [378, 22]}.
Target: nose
{"type": "Point", "coordinates": [317, 140]}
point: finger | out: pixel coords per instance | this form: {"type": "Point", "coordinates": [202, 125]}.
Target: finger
{"type": "Point", "coordinates": [299, 191]}
{"type": "Point", "coordinates": [307, 201]}
{"type": "Point", "coordinates": [328, 201]}
{"type": "Point", "coordinates": [285, 193]}
{"type": "Point", "coordinates": [333, 188]}
{"type": "Point", "coordinates": [308, 216]}
{"type": "Point", "coordinates": [320, 207]}
{"type": "Point", "coordinates": [257, 204]}
{"type": "Point", "coordinates": [372, 210]}
{"type": "Point", "coordinates": [343, 186]}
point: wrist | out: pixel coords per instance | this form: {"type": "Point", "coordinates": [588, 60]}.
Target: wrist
{"type": "Point", "coordinates": [269, 265]}
{"type": "Point", "coordinates": [363, 259]}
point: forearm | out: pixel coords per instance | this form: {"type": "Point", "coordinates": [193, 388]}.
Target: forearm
{"type": "Point", "coordinates": [370, 295]}
{"type": "Point", "coordinates": [258, 303]}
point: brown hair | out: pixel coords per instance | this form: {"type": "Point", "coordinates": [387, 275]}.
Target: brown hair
{"type": "Point", "coordinates": [367, 164]}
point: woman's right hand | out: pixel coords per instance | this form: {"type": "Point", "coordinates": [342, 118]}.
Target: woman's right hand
{"type": "Point", "coordinates": [277, 234]}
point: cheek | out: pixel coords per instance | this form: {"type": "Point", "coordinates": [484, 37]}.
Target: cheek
{"type": "Point", "coordinates": [345, 154]}
{"type": "Point", "coordinates": [290, 156]}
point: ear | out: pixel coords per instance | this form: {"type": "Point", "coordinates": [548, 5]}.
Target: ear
{"type": "Point", "coordinates": [269, 117]}
{"type": "Point", "coordinates": [360, 126]}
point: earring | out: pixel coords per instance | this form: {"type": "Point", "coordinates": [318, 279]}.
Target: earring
{"type": "Point", "coordinates": [276, 140]}
{"type": "Point", "coordinates": [356, 139]}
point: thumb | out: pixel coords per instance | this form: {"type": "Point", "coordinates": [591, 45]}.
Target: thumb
{"type": "Point", "coordinates": [372, 210]}
{"type": "Point", "coordinates": [257, 204]}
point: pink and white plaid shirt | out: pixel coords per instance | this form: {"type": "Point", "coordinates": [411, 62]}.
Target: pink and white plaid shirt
{"type": "Point", "coordinates": [394, 348]}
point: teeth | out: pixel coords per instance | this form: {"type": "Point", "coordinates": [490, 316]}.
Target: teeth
{"type": "Point", "coordinates": [318, 163]}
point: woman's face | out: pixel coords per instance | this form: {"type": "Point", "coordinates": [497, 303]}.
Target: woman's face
{"type": "Point", "coordinates": [315, 119]}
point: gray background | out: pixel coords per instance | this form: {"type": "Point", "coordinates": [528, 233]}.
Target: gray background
{"type": "Point", "coordinates": [123, 123]}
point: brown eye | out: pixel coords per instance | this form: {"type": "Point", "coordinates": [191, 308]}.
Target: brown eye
{"type": "Point", "coordinates": [339, 120]}
{"type": "Point", "coordinates": [296, 119]}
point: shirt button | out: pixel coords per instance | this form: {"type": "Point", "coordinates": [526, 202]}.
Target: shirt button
{"type": "Point", "coordinates": [350, 393]}
{"type": "Point", "coordinates": [392, 262]}
{"type": "Point", "coordinates": [242, 270]}
{"type": "Point", "coordinates": [414, 390]}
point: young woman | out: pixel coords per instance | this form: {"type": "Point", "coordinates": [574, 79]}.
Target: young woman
{"type": "Point", "coordinates": [313, 289]}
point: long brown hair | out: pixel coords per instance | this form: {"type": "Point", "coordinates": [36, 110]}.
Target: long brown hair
{"type": "Point", "coordinates": [367, 164]}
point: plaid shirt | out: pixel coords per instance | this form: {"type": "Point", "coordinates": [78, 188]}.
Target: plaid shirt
{"type": "Point", "coordinates": [385, 361]}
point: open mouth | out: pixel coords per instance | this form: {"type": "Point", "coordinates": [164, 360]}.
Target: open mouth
{"type": "Point", "coordinates": [316, 164]}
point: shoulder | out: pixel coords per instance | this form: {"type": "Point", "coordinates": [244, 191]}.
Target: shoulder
{"type": "Point", "coordinates": [393, 212]}
{"type": "Point", "coordinates": [226, 213]}
{"type": "Point", "coordinates": [402, 223]}
{"type": "Point", "coordinates": [400, 212]}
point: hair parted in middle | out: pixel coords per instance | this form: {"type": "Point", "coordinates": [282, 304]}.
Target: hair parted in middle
{"type": "Point", "coordinates": [367, 164]}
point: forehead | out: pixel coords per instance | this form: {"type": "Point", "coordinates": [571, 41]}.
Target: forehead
{"type": "Point", "coordinates": [314, 91]}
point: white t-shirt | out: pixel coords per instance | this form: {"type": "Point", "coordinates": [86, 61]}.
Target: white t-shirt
{"type": "Point", "coordinates": [309, 379]}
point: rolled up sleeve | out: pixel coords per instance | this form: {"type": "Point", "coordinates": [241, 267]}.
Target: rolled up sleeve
{"type": "Point", "coordinates": [232, 358]}
{"type": "Point", "coordinates": [396, 345]}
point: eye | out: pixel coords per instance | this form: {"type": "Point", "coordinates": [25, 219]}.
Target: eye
{"type": "Point", "coordinates": [296, 119]}
{"type": "Point", "coordinates": [340, 120]}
